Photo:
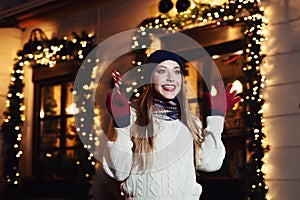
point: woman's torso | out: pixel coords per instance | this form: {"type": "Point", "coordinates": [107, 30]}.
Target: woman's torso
{"type": "Point", "coordinates": [172, 174]}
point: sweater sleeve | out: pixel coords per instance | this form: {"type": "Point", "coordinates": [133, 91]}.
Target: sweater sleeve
{"type": "Point", "coordinates": [212, 150]}
{"type": "Point", "coordinates": [117, 157]}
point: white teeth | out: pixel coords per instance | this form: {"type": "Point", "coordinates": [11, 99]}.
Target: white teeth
{"type": "Point", "coordinates": [169, 87]}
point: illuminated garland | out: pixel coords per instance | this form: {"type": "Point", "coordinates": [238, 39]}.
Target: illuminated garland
{"type": "Point", "coordinates": [251, 14]}
{"type": "Point", "coordinates": [253, 103]}
{"type": "Point", "coordinates": [11, 127]}
{"type": "Point", "coordinates": [45, 53]}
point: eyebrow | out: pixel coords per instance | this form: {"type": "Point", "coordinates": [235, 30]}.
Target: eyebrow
{"type": "Point", "coordinates": [176, 67]}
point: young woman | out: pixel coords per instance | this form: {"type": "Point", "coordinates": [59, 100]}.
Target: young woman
{"type": "Point", "coordinates": [159, 143]}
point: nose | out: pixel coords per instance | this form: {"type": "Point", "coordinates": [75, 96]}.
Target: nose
{"type": "Point", "coordinates": [170, 77]}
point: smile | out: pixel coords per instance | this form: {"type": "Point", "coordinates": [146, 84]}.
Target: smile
{"type": "Point", "coordinates": [169, 88]}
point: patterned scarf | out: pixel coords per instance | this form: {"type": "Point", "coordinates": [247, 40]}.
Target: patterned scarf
{"type": "Point", "coordinates": [166, 109]}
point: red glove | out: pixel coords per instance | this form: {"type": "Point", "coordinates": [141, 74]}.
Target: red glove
{"type": "Point", "coordinates": [118, 106]}
{"type": "Point", "coordinates": [223, 101]}
{"type": "Point", "coordinates": [231, 99]}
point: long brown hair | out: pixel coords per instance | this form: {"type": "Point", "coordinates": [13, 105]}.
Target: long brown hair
{"type": "Point", "coordinates": [142, 134]}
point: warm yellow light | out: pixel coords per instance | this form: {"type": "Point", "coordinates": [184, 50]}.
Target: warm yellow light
{"type": "Point", "coordinates": [238, 86]}
{"type": "Point", "coordinates": [48, 155]}
{"type": "Point", "coordinates": [214, 2]}
{"type": "Point", "coordinates": [72, 109]}
{"type": "Point", "coordinates": [269, 197]}
{"type": "Point", "coordinates": [215, 57]}
{"type": "Point", "coordinates": [22, 108]}
{"type": "Point", "coordinates": [42, 114]}
{"type": "Point", "coordinates": [7, 103]}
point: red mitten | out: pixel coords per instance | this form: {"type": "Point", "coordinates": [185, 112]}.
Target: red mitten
{"type": "Point", "coordinates": [223, 101]}
{"type": "Point", "coordinates": [118, 106]}
{"type": "Point", "coordinates": [231, 99]}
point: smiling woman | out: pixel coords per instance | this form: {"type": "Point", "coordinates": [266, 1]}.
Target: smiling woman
{"type": "Point", "coordinates": [162, 143]}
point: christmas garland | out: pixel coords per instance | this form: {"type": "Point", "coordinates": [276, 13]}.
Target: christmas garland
{"type": "Point", "coordinates": [251, 14]}
{"type": "Point", "coordinates": [49, 52]}
{"type": "Point", "coordinates": [44, 52]}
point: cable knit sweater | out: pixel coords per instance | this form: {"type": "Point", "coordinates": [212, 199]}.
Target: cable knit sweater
{"type": "Point", "coordinates": [172, 174]}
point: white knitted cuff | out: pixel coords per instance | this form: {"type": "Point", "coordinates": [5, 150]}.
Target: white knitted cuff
{"type": "Point", "coordinates": [215, 125]}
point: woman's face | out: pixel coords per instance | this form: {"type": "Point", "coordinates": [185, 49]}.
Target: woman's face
{"type": "Point", "coordinates": [167, 79]}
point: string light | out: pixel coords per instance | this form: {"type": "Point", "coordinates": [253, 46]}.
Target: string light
{"type": "Point", "coordinates": [46, 54]}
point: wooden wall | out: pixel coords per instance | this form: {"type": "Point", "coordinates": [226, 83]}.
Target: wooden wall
{"type": "Point", "coordinates": [282, 107]}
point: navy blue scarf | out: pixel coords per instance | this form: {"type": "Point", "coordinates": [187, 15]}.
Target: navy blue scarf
{"type": "Point", "coordinates": [166, 109]}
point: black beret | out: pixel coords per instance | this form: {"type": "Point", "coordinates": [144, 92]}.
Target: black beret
{"type": "Point", "coordinates": [157, 57]}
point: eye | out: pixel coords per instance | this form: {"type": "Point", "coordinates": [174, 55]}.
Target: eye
{"type": "Point", "coordinates": [161, 71]}
{"type": "Point", "coordinates": [177, 72]}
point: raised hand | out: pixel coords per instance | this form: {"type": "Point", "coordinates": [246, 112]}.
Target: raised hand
{"type": "Point", "coordinates": [231, 97]}
{"type": "Point", "coordinates": [118, 106]}
{"type": "Point", "coordinates": [223, 101]}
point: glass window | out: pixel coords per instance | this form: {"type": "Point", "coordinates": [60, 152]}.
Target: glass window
{"type": "Point", "coordinates": [50, 101]}
{"type": "Point", "coordinates": [50, 133]}
{"type": "Point", "coordinates": [71, 137]}
{"type": "Point", "coordinates": [57, 145]}
{"type": "Point", "coordinates": [71, 108]}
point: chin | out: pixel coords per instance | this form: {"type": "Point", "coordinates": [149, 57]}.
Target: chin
{"type": "Point", "coordinates": [169, 96]}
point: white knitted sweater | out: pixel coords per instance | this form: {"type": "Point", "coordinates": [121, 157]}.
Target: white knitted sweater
{"type": "Point", "coordinates": [172, 174]}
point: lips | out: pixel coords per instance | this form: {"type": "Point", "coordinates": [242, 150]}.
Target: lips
{"type": "Point", "coordinates": [169, 88]}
